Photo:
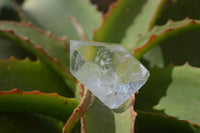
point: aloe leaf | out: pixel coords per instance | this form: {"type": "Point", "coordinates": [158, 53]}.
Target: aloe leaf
{"type": "Point", "coordinates": [50, 104]}
{"type": "Point", "coordinates": [127, 119]}
{"type": "Point", "coordinates": [99, 118]}
{"type": "Point", "coordinates": [179, 48]}
{"type": "Point", "coordinates": [36, 49]}
{"type": "Point", "coordinates": [79, 91]}
{"type": "Point", "coordinates": [8, 49]}
{"type": "Point", "coordinates": [54, 46]}
{"type": "Point", "coordinates": [161, 33]}
{"type": "Point", "coordinates": [85, 103]}
{"type": "Point", "coordinates": [27, 75]}
{"type": "Point", "coordinates": [7, 11]}
{"type": "Point", "coordinates": [157, 123]}
{"type": "Point", "coordinates": [52, 15]}
{"type": "Point", "coordinates": [128, 19]}
{"type": "Point", "coordinates": [28, 123]}
{"type": "Point", "coordinates": [172, 91]}
{"type": "Point", "coordinates": [169, 49]}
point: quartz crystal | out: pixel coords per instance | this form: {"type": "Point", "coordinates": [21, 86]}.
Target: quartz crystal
{"type": "Point", "coordinates": [107, 70]}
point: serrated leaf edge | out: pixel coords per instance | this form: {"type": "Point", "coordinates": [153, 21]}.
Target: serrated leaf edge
{"type": "Point", "coordinates": [155, 16]}
{"type": "Point", "coordinates": [16, 92]}
{"type": "Point", "coordinates": [56, 65]}
{"type": "Point", "coordinates": [139, 51]}
{"type": "Point", "coordinates": [85, 103]}
{"type": "Point", "coordinates": [31, 25]}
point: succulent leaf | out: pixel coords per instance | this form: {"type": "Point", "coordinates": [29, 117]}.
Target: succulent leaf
{"type": "Point", "coordinates": [42, 54]}
{"type": "Point", "coordinates": [49, 104]}
{"type": "Point", "coordinates": [52, 15]}
{"type": "Point", "coordinates": [178, 43]}
{"type": "Point", "coordinates": [161, 33]}
{"type": "Point", "coordinates": [54, 46]}
{"type": "Point", "coordinates": [180, 48]}
{"type": "Point", "coordinates": [8, 49]}
{"type": "Point", "coordinates": [85, 103]}
{"type": "Point", "coordinates": [172, 91]}
{"type": "Point", "coordinates": [99, 116]}
{"type": "Point", "coordinates": [27, 75]}
{"type": "Point", "coordinates": [128, 19]}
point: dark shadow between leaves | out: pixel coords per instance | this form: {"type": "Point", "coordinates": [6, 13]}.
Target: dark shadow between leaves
{"type": "Point", "coordinates": [153, 123]}
{"type": "Point", "coordinates": [181, 49]}
{"type": "Point", "coordinates": [28, 123]}
{"type": "Point", "coordinates": [176, 50]}
{"type": "Point", "coordinates": [7, 13]}
{"type": "Point", "coordinates": [178, 10]}
{"type": "Point", "coordinates": [155, 88]}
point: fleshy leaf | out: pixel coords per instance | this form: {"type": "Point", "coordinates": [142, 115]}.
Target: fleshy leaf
{"type": "Point", "coordinates": [100, 119]}
{"type": "Point", "coordinates": [54, 46]}
{"type": "Point", "coordinates": [28, 123]}
{"type": "Point", "coordinates": [43, 55]}
{"type": "Point", "coordinates": [179, 48]}
{"type": "Point", "coordinates": [27, 75]}
{"type": "Point", "coordinates": [156, 123]}
{"type": "Point", "coordinates": [161, 33]}
{"type": "Point", "coordinates": [172, 91]}
{"type": "Point", "coordinates": [85, 103]}
{"type": "Point", "coordinates": [50, 104]}
{"type": "Point", "coordinates": [168, 51]}
{"type": "Point", "coordinates": [52, 15]}
{"type": "Point", "coordinates": [128, 19]}
{"type": "Point", "coordinates": [8, 49]}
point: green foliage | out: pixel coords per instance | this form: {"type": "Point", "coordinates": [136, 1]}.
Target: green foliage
{"type": "Point", "coordinates": [37, 102]}
{"type": "Point", "coordinates": [37, 88]}
{"type": "Point", "coordinates": [123, 23]}
{"type": "Point", "coordinates": [52, 15]}
{"type": "Point", "coordinates": [39, 77]}
{"type": "Point", "coordinates": [177, 87]}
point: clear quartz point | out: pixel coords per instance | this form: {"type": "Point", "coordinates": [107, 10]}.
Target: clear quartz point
{"type": "Point", "coordinates": [107, 70]}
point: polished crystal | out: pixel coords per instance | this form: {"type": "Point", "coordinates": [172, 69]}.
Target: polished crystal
{"type": "Point", "coordinates": [107, 70]}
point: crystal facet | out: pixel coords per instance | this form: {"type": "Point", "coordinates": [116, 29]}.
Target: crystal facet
{"type": "Point", "coordinates": [108, 71]}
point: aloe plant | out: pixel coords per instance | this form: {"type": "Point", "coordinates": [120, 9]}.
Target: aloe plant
{"type": "Point", "coordinates": [39, 94]}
